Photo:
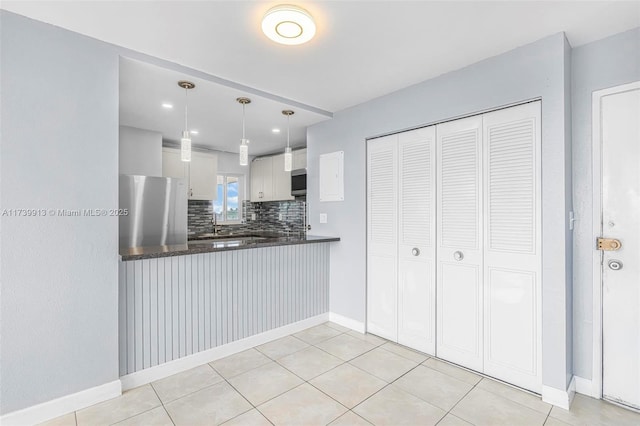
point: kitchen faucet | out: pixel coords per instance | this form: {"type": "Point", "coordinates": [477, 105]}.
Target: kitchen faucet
{"type": "Point", "coordinates": [214, 221]}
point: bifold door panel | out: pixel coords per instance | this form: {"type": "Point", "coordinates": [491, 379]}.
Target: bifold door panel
{"type": "Point", "coordinates": [416, 244]}
{"type": "Point", "coordinates": [382, 237]}
{"type": "Point", "coordinates": [512, 291]}
{"type": "Point", "coordinates": [401, 238]}
{"type": "Point", "coordinates": [454, 228]}
{"type": "Point", "coordinates": [459, 230]}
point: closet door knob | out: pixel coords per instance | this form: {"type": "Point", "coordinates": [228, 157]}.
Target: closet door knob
{"type": "Point", "coordinates": [458, 255]}
{"type": "Point", "coordinates": [415, 251]}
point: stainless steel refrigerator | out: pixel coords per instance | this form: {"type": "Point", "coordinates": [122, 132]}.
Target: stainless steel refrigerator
{"type": "Point", "coordinates": [157, 211]}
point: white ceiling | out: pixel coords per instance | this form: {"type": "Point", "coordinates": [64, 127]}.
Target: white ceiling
{"type": "Point", "coordinates": [213, 111]}
{"type": "Point", "coordinates": [362, 50]}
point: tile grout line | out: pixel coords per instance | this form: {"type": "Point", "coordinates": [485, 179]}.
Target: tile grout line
{"type": "Point", "coordinates": [162, 403]}
{"type": "Point", "coordinates": [460, 400]}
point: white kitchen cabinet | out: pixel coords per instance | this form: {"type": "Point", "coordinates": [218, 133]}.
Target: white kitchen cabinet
{"type": "Point", "coordinates": [172, 165]}
{"type": "Point", "coordinates": [300, 159]}
{"type": "Point", "coordinates": [401, 238]}
{"type": "Point", "coordinates": [203, 176]}
{"type": "Point", "coordinates": [201, 172]}
{"type": "Point", "coordinates": [262, 179]}
{"type": "Point", "coordinates": [269, 181]}
{"type": "Point", "coordinates": [281, 180]}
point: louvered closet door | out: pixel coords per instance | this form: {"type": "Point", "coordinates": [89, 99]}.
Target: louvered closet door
{"type": "Point", "coordinates": [459, 256]}
{"type": "Point", "coordinates": [382, 241]}
{"type": "Point", "coordinates": [512, 246]}
{"type": "Point", "coordinates": [416, 245]}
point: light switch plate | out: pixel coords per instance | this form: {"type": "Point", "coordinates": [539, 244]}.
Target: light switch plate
{"type": "Point", "coordinates": [323, 218]}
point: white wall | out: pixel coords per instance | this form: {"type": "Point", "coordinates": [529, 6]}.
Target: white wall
{"type": "Point", "coordinates": [605, 63]}
{"type": "Point", "coordinates": [58, 275]}
{"type": "Point", "coordinates": [140, 152]}
{"type": "Point", "coordinates": [535, 70]}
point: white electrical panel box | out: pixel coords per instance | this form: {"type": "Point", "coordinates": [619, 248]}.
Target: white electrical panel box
{"type": "Point", "coordinates": [332, 176]}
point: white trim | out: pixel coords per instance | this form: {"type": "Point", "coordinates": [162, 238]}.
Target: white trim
{"type": "Point", "coordinates": [596, 373]}
{"type": "Point", "coordinates": [167, 369]}
{"type": "Point", "coordinates": [347, 322]}
{"type": "Point", "coordinates": [60, 406]}
{"type": "Point", "coordinates": [585, 387]}
{"type": "Point", "coordinates": [559, 398]}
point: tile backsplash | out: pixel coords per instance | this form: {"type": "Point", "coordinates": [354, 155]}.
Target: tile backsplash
{"type": "Point", "coordinates": [272, 216]}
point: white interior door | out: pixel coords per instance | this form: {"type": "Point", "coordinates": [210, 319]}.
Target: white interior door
{"type": "Point", "coordinates": [459, 250]}
{"type": "Point", "coordinates": [512, 290]}
{"type": "Point", "coordinates": [382, 237]}
{"type": "Point", "coordinates": [620, 136]}
{"type": "Point", "coordinates": [416, 239]}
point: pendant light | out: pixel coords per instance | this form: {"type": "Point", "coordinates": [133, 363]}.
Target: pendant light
{"type": "Point", "coordinates": [288, 156]}
{"type": "Point", "coordinates": [244, 143]}
{"type": "Point", "coordinates": [185, 141]}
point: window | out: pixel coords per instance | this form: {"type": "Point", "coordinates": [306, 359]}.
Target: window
{"type": "Point", "coordinates": [228, 206]}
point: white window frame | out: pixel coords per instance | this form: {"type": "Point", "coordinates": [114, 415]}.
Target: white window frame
{"type": "Point", "coordinates": [241, 189]}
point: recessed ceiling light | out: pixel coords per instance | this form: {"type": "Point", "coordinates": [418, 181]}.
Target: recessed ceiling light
{"type": "Point", "coordinates": [288, 24]}
{"type": "Point", "coordinates": [193, 132]}
{"type": "Point", "coordinates": [275, 130]}
{"type": "Point", "coordinates": [167, 105]}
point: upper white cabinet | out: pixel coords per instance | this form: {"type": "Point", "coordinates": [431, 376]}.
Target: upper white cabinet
{"type": "Point", "coordinates": [300, 159]}
{"type": "Point", "coordinates": [262, 179]}
{"type": "Point", "coordinates": [269, 181]}
{"type": "Point", "coordinates": [281, 180]}
{"type": "Point", "coordinates": [201, 172]}
{"type": "Point", "coordinates": [172, 165]}
{"type": "Point", "coordinates": [203, 176]}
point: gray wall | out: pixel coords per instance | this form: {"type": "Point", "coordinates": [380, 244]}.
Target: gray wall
{"type": "Point", "coordinates": [59, 275]}
{"type": "Point", "coordinates": [140, 152]}
{"type": "Point", "coordinates": [605, 63]}
{"type": "Point", "coordinates": [535, 70]}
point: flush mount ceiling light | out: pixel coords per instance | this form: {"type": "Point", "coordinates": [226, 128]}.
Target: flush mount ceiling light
{"type": "Point", "coordinates": [244, 143]}
{"type": "Point", "coordinates": [185, 141]}
{"type": "Point", "coordinates": [288, 24]}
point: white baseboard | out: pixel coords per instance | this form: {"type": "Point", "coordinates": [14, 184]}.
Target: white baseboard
{"type": "Point", "coordinates": [61, 406]}
{"type": "Point", "coordinates": [167, 369]}
{"type": "Point", "coordinates": [585, 387]}
{"type": "Point", "coordinates": [347, 322]}
{"type": "Point", "coordinates": [560, 398]}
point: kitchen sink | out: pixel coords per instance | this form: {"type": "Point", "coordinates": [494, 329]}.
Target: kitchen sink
{"type": "Point", "coordinates": [228, 239]}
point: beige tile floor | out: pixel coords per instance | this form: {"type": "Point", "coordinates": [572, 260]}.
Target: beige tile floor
{"type": "Point", "coordinates": [329, 375]}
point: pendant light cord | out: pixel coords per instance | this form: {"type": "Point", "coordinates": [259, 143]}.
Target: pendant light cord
{"type": "Point", "coordinates": [186, 106]}
{"type": "Point", "coordinates": [288, 116]}
{"type": "Point", "coordinates": [243, 121]}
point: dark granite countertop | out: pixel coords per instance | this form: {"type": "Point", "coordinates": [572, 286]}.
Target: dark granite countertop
{"type": "Point", "coordinates": [210, 243]}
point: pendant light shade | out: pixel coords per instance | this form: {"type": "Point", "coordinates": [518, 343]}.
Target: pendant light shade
{"type": "Point", "coordinates": [185, 140]}
{"type": "Point", "coordinates": [185, 146]}
{"type": "Point", "coordinates": [288, 159]}
{"type": "Point", "coordinates": [244, 153]}
{"type": "Point", "coordinates": [288, 155]}
{"type": "Point", "coordinates": [244, 142]}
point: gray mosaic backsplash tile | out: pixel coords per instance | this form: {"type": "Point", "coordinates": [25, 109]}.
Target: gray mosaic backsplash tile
{"type": "Point", "coordinates": [267, 217]}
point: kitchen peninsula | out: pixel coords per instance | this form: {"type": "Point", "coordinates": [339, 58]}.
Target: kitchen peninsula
{"type": "Point", "coordinates": [187, 300]}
